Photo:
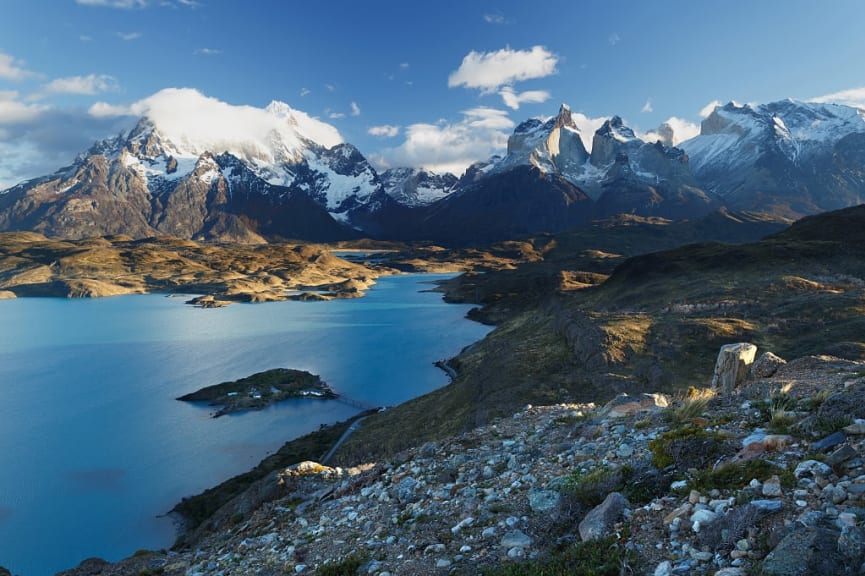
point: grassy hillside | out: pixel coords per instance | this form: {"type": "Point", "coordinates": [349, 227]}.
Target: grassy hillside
{"type": "Point", "coordinates": [567, 332]}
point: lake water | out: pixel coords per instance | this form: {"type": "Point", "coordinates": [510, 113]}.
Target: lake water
{"type": "Point", "coordinates": [94, 446]}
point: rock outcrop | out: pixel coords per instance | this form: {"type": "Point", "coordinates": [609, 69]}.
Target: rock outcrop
{"type": "Point", "coordinates": [732, 365]}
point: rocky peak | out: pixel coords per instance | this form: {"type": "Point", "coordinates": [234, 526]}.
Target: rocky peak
{"type": "Point", "coordinates": [610, 139]}
{"type": "Point", "coordinates": [553, 146]}
{"type": "Point", "coordinates": [417, 187]}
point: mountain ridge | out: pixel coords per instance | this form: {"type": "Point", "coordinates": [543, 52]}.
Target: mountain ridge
{"type": "Point", "coordinates": [275, 180]}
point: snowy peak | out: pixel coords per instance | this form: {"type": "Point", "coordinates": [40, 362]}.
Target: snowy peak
{"type": "Point", "coordinates": [615, 128]}
{"type": "Point", "coordinates": [735, 135]}
{"type": "Point", "coordinates": [611, 139]}
{"type": "Point", "coordinates": [807, 156]}
{"type": "Point", "coordinates": [415, 187]}
{"type": "Point", "coordinates": [552, 145]}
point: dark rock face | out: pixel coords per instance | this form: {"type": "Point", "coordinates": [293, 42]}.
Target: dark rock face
{"type": "Point", "coordinates": [220, 199]}
{"type": "Point", "coordinates": [507, 205]}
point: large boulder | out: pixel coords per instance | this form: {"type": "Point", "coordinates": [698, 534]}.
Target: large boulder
{"type": "Point", "coordinates": [805, 551]}
{"type": "Point", "coordinates": [600, 520]}
{"type": "Point", "coordinates": [732, 365]}
{"type": "Point", "coordinates": [766, 365]}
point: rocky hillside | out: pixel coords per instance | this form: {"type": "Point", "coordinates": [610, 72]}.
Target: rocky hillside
{"type": "Point", "coordinates": [767, 478]}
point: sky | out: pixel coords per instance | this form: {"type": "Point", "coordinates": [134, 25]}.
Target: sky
{"type": "Point", "coordinates": [438, 84]}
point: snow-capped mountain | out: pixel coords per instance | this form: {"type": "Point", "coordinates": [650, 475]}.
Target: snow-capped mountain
{"type": "Point", "coordinates": [553, 146]}
{"type": "Point", "coordinates": [275, 172]}
{"type": "Point", "coordinates": [261, 172]}
{"type": "Point", "coordinates": [621, 174]}
{"type": "Point", "coordinates": [417, 187]}
{"type": "Point", "coordinates": [792, 157]}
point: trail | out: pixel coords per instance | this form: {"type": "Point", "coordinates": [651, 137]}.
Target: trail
{"type": "Point", "coordinates": [351, 430]}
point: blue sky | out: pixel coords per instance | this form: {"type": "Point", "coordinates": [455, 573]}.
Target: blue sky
{"type": "Point", "coordinates": [438, 84]}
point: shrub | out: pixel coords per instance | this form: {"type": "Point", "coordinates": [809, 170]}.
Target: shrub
{"type": "Point", "coordinates": [602, 557]}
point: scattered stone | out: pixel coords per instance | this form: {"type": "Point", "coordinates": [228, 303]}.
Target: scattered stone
{"type": "Point", "coordinates": [543, 500]}
{"type": "Point", "coordinates": [732, 571]}
{"type": "Point", "coordinates": [732, 365]}
{"type": "Point", "coordinates": [829, 441]}
{"type": "Point", "coordinates": [516, 539]}
{"type": "Point", "coordinates": [842, 454]}
{"type": "Point", "coordinates": [811, 468]}
{"type": "Point", "coordinates": [496, 491]}
{"type": "Point", "coordinates": [601, 518]}
{"type": "Point", "coordinates": [767, 505]}
{"type": "Point", "coordinates": [857, 428]}
{"type": "Point", "coordinates": [772, 487]}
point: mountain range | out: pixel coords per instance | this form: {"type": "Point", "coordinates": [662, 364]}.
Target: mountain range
{"type": "Point", "coordinates": [291, 177]}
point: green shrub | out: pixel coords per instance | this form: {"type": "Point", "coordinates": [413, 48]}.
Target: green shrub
{"type": "Point", "coordinates": [738, 474]}
{"type": "Point", "coordinates": [347, 567]}
{"type": "Point", "coordinates": [688, 447]}
{"type": "Point", "coordinates": [602, 557]}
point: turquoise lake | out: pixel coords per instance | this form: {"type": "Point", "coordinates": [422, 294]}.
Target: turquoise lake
{"type": "Point", "coordinates": [94, 448]}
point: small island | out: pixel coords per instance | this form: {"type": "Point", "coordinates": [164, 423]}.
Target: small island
{"type": "Point", "coordinates": [261, 390]}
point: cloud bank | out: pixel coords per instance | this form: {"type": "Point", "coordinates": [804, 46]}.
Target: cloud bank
{"type": "Point", "coordinates": [451, 147]}
{"type": "Point", "coordinates": [851, 97]}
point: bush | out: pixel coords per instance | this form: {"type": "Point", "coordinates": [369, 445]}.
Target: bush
{"type": "Point", "coordinates": [602, 557]}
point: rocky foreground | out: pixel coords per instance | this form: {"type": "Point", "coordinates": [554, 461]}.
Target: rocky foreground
{"type": "Point", "coordinates": [766, 478]}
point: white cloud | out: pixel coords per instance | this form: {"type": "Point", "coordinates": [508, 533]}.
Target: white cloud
{"type": "Point", "coordinates": [709, 108]}
{"type": "Point", "coordinates": [13, 111]}
{"type": "Point", "coordinates": [207, 52]}
{"type": "Point", "coordinates": [588, 127]}
{"type": "Point", "coordinates": [681, 130]}
{"type": "Point", "coordinates": [384, 131]}
{"type": "Point", "coordinates": [647, 107]}
{"type": "Point", "coordinates": [185, 114]}
{"type": "Point", "coordinates": [494, 19]}
{"type": "Point", "coordinates": [336, 115]}
{"type": "Point", "coordinates": [11, 69]}
{"type": "Point", "coordinates": [106, 110]}
{"type": "Point", "coordinates": [86, 85]}
{"type": "Point", "coordinates": [614, 39]}
{"type": "Point", "coordinates": [127, 36]}
{"type": "Point", "coordinates": [355, 109]}
{"type": "Point", "coordinates": [305, 92]}
{"type": "Point", "coordinates": [850, 97]}
{"type": "Point", "coordinates": [127, 4]}
{"type": "Point", "coordinates": [85, 38]}
{"type": "Point", "coordinates": [330, 87]}
{"type": "Point", "coordinates": [513, 99]}
{"type": "Point", "coordinates": [451, 147]}
{"type": "Point", "coordinates": [404, 66]}
{"type": "Point", "coordinates": [489, 71]}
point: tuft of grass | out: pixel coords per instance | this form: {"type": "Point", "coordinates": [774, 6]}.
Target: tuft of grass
{"type": "Point", "coordinates": [602, 557]}
{"type": "Point", "coordinates": [347, 567]}
{"type": "Point", "coordinates": [687, 447]}
{"type": "Point", "coordinates": [825, 425]}
{"type": "Point", "coordinates": [689, 410]}
{"type": "Point", "coordinates": [738, 474]}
